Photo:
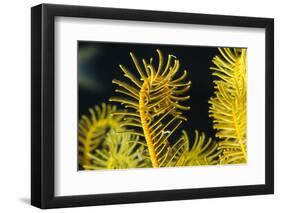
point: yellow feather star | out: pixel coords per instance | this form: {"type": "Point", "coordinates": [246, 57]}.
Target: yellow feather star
{"type": "Point", "coordinates": [92, 130]}
{"type": "Point", "coordinates": [229, 104]}
{"type": "Point", "coordinates": [120, 151]}
{"type": "Point", "coordinates": [155, 103]}
{"type": "Point", "coordinates": [197, 153]}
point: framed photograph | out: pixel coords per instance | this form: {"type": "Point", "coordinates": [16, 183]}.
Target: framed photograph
{"type": "Point", "coordinates": [140, 106]}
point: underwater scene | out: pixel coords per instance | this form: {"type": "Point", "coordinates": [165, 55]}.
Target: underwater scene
{"type": "Point", "coordinates": [154, 105]}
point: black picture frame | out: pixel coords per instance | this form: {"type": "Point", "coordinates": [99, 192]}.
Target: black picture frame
{"type": "Point", "coordinates": [43, 102]}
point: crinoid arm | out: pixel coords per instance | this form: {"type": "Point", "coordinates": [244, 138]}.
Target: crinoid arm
{"type": "Point", "coordinates": [121, 151]}
{"type": "Point", "coordinates": [155, 98]}
{"type": "Point", "coordinates": [229, 104]}
{"type": "Point", "coordinates": [200, 151]}
{"type": "Point", "coordinates": [92, 130]}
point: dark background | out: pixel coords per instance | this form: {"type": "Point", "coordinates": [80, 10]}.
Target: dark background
{"type": "Point", "coordinates": [98, 66]}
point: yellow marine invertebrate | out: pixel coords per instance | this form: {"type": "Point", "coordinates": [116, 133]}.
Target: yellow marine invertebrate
{"type": "Point", "coordinates": [154, 102]}
{"type": "Point", "coordinates": [229, 105]}
{"type": "Point", "coordinates": [93, 129]}
{"type": "Point", "coordinates": [197, 153]}
{"type": "Point", "coordinates": [119, 152]}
